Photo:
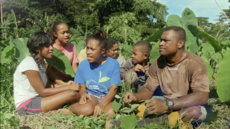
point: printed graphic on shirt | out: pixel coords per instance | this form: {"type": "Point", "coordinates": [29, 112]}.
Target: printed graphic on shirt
{"type": "Point", "coordinates": [95, 87]}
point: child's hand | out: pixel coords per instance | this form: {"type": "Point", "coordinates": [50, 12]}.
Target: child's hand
{"type": "Point", "coordinates": [98, 109]}
{"type": "Point", "coordinates": [70, 82]}
{"type": "Point", "coordinates": [138, 68]}
{"type": "Point", "coordinates": [84, 98]}
{"type": "Point", "coordinates": [74, 86]}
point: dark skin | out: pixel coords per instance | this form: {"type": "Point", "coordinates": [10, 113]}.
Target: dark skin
{"type": "Point", "coordinates": [172, 48]}
{"type": "Point", "coordinates": [88, 104]}
{"type": "Point", "coordinates": [140, 58]}
{"type": "Point", "coordinates": [52, 98]}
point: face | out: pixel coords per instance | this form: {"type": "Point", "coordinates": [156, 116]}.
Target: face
{"type": "Point", "coordinates": [93, 51]}
{"type": "Point", "coordinates": [169, 44]}
{"type": "Point", "coordinates": [46, 52]}
{"type": "Point", "coordinates": [138, 56]}
{"type": "Point", "coordinates": [62, 33]}
{"type": "Point", "coordinates": [113, 51]}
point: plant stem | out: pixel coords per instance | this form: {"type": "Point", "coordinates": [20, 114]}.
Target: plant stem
{"type": "Point", "coordinates": [1, 12]}
{"type": "Point", "coordinates": [223, 12]}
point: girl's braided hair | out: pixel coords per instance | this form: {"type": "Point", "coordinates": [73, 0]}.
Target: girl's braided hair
{"type": "Point", "coordinates": [37, 42]}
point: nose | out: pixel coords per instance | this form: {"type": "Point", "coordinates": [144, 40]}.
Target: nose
{"type": "Point", "coordinates": [51, 47]}
{"type": "Point", "coordinates": [133, 56]}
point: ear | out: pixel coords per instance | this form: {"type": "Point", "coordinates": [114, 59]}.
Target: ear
{"type": "Point", "coordinates": [146, 56]}
{"type": "Point", "coordinates": [103, 51]}
{"type": "Point", "coordinates": [54, 33]}
{"type": "Point", "coordinates": [180, 44]}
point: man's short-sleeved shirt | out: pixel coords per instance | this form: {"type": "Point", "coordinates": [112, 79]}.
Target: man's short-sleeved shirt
{"type": "Point", "coordinates": [98, 78]}
{"type": "Point", "coordinates": [190, 74]}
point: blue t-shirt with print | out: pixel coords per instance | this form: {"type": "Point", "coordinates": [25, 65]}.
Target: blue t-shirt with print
{"type": "Point", "coordinates": [98, 78]}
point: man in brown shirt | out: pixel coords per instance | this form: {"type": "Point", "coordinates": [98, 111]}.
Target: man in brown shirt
{"type": "Point", "coordinates": [182, 77]}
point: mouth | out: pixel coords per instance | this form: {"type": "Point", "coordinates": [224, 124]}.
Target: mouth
{"type": "Point", "coordinates": [89, 57]}
{"type": "Point", "coordinates": [66, 39]}
{"type": "Point", "coordinates": [50, 53]}
{"type": "Point", "coordinates": [161, 49]}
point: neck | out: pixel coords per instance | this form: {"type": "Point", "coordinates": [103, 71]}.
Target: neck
{"type": "Point", "coordinates": [59, 44]}
{"type": "Point", "coordinates": [178, 56]}
{"type": "Point", "coordinates": [40, 58]}
{"type": "Point", "coordinates": [101, 60]}
{"type": "Point", "coordinates": [145, 63]}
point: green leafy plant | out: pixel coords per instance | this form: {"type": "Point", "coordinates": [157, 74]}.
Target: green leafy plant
{"type": "Point", "coordinates": [223, 80]}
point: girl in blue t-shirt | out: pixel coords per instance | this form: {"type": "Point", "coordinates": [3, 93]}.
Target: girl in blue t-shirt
{"type": "Point", "coordinates": [98, 77]}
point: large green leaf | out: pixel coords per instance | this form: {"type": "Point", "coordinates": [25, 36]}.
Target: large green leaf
{"type": "Point", "coordinates": [174, 20]}
{"type": "Point", "coordinates": [209, 68]}
{"type": "Point", "coordinates": [188, 18]}
{"type": "Point", "coordinates": [21, 49]}
{"type": "Point", "coordinates": [61, 62]}
{"type": "Point", "coordinates": [79, 44]}
{"type": "Point", "coordinates": [223, 78]}
{"type": "Point", "coordinates": [129, 122]}
{"type": "Point", "coordinates": [5, 59]}
{"type": "Point", "coordinates": [211, 40]}
{"type": "Point", "coordinates": [155, 52]}
{"type": "Point", "coordinates": [156, 36]}
{"type": "Point", "coordinates": [130, 108]}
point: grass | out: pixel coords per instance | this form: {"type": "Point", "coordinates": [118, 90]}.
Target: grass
{"type": "Point", "coordinates": [218, 113]}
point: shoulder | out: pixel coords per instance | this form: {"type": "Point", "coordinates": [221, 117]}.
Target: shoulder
{"type": "Point", "coordinates": [194, 61]}
{"type": "Point", "coordinates": [28, 61]}
{"type": "Point", "coordinates": [112, 61]}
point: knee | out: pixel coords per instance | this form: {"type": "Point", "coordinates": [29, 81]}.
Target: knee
{"type": "Point", "coordinates": [192, 113]}
{"type": "Point", "coordinates": [85, 110]}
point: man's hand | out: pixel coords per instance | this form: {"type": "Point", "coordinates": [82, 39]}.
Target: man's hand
{"type": "Point", "coordinates": [84, 98]}
{"type": "Point", "coordinates": [138, 68]}
{"type": "Point", "coordinates": [156, 106]}
{"type": "Point", "coordinates": [129, 97]}
{"type": "Point", "coordinates": [98, 109]}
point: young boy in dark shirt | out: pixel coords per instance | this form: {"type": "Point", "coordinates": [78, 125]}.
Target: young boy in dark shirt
{"type": "Point", "coordinates": [135, 70]}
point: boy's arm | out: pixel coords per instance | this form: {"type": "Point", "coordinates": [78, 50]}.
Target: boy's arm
{"type": "Point", "coordinates": [126, 68]}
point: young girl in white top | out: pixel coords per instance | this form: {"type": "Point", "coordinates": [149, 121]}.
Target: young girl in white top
{"type": "Point", "coordinates": [30, 93]}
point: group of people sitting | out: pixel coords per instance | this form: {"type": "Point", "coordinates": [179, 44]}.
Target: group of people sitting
{"type": "Point", "coordinates": [175, 87]}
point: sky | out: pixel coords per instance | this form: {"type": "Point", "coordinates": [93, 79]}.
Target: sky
{"type": "Point", "coordinates": [201, 8]}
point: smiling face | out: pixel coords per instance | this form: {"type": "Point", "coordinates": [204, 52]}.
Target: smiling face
{"type": "Point", "coordinates": [138, 56]}
{"type": "Point", "coordinates": [94, 52]}
{"type": "Point", "coordinates": [62, 33]}
{"type": "Point", "coordinates": [169, 44]}
{"type": "Point", "coordinates": [113, 51]}
{"type": "Point", "coordinates": [46, 52]}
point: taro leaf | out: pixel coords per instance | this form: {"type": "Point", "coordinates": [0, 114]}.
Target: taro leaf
{"type": "Point", "coordinates": [188, 18]}
{"type": "Point", "coordinates": [156, 36]}
{"type": "Point", "coordinates": [217, 57]}
{"type": "Point", "coordinates": [192, 40]}
{"type": "Point", "coordinates": [174, 20]}
{"type": "Point", "coordinates": [104, 79]}
{"type": "Point", "coordinates": [129, 122]}
{"type": "Point", "coordinates": [207, 50]}
{"type": "Point", "coordinates": [21, 49]}
{"type": "Point", "coordinates": [116, 106]}
{"type": "Point", "coordinates": [6, 53]}
{"type": "Point", "coordinates": [223, 78]}
{"type": "Point", "coordinates": [129, 109]}
{"type": "Point", "coordinates": [211, 40]}
{"type": "Point", "coordinates": [155, 52]}
{"type": "Point", "coordinates": [79, 44]}
{"type": "Point", "coordinates": [61, 62]}
{"type": "Point", "coordinates": [209, 68]}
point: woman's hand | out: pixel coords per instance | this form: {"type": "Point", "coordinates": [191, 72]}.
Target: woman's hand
{"type": "Point", "coordinates": [74, 86]}
{"type": "Point", "coordinates": [98, 109]}
{"type": "Point", "coordinates": [84, 98]}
